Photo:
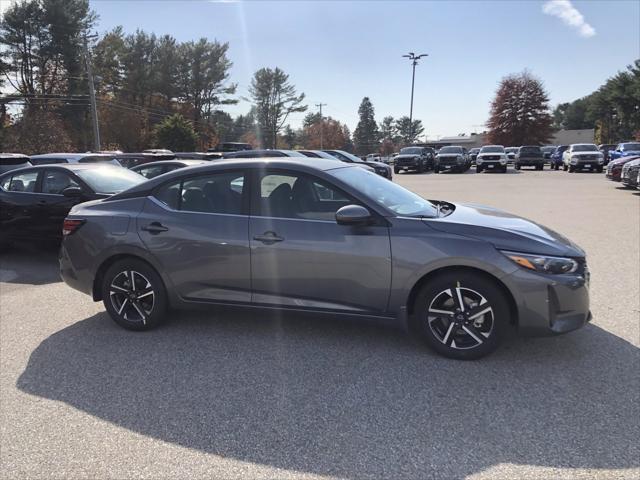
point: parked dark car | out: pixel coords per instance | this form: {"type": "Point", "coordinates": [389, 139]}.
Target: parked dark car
{"type": "Point", "coordinates": [511, 153]}
{"type": "Point", "coordinates": [56, 158]}
{"type": "Point", "coordinates": [153, 169]}
{"type": "Point", "coordinates": [529, 156]}
{"type": "Point", "coordinates": [629, 175]}
{"type": "Point", "coordinates": [130, 160]}
{"type": "Point", "coordinates": [473, 155]}
{"type": "Point", "coordinates": [419, 159]}
{"type": "Point", "coordinates": [199, 155]}
{"type": "Point", "coordinates": [380, 168]}
{"type": "Point", "coordinates": [452, 159]}
{"type": "Point", "coordinates": [226, 147]}
{"type": "Point", "coordinates": [605, 149]}
{"type": "Point", "coordinates": [326, 238]}
{"type": "Point", "coordinates": [547, 151]}
{"type": "Point", "coordinates": [12, 161]}
{"type": "Point", "coordinates": [318, 154]}
{"type": "Point", "coordinates": [263, 153]}
{"type": "Point", "coordinates": [625, 149]}
{"type": "Point", "coordinates": [34, 201]}
{"type": "Point", "coordinates": [493, 158]}
{"type": "Point", "coordinates": [614, 169]}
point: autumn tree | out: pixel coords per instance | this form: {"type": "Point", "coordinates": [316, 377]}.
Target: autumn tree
{"type": "Point", "coordinates": [274, 99]}
{"type": "Point", "coordinates": [520, 112]}
{"type": "Point", "coordinates": [332, 134]}
{"type": "Point", "coordinates": [366, 135]}
{"type": "Point", "coordinates": [175, 133]}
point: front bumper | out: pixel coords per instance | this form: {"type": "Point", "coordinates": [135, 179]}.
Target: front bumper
{"type": "Point", "coordinates": [530, 162]}
{"type": "Point", "coordinates": [549, 304]}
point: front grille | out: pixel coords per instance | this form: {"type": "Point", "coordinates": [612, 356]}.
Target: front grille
{"type": "Point", "coordinates": [586, 158]}
{"type": "Point", "coordinates": [491, 157]}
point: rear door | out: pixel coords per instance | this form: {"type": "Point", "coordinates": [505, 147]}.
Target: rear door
{"type": "Point", "coordinates": [197, 228]}
{"type": "Point", "coordinates": [300, 256]}
{"type": "Point", "coordinates": [53, 206]}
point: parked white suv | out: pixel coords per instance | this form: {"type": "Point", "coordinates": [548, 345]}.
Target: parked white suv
{"type": "Point", "coordinates": [580, 156]}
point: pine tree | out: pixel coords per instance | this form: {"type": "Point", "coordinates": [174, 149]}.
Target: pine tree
{"type": "Point", "coordinates": [366, 136]}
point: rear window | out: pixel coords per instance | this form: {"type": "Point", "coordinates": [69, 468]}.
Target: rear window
{"type": "Point", "coordinates": [13, 160]}
{"type": "Point", "coordinates": [109, 179]}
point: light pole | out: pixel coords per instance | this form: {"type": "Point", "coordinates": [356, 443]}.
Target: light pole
{"type": "Point", "coordinates": [414, 61]}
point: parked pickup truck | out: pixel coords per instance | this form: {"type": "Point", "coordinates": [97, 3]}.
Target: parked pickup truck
{"type": "Point", "coordinates": [529, 156]}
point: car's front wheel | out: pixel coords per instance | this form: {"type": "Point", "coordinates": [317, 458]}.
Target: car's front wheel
{"type": "Point", "coordinates": [134, 295]}
{"type": "Point", "coordinates": [396, 170]}
{"type": "Point", "coordinates": [461, 315]}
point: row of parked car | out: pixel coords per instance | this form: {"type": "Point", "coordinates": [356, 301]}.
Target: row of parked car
{"type": "Point", "coordinates": [625, 170]}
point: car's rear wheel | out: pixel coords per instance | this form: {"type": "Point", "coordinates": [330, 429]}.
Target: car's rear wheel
{"type": "Point", "coordinates": [134, 295]}
{"type": "Point", "coordinates": [461, 315]}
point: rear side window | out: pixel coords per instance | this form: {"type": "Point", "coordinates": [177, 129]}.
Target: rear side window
{"type": "Point", "coordinates": [217, 193]}
{"type": "Point", "coordinates": [22, 182]}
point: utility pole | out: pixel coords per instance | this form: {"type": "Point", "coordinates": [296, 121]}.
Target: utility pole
{"type": "Point", "coordinates": [414, 61]}
{"type": "Point", "coordinates": [320, 105]}
{"type": "Point", "coordinates": [92, 96]}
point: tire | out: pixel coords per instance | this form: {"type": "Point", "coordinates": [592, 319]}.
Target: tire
{"type": "Point", "coordinates": [504, 169]}
{"type": "Point", "coordinates": [517, 166]}
{"type": "Point", "coordinates": [540, 167]}
{"type": "Point", "coordinates": [571, 169]}
{"type": "Point", "coordinates": [396, 170]}
{"type": "Point", "coordinates": [421, 168]}
{"type": "Point", "coordinates": [149, 307]}
{"type": "Point", "coordinates": [436, 169]}
{"type": "Point", "coordinates": [460, 335]}
{"type": "Point", "coordinates": [478, 169]}
{"type": "Point", "coordinates": [599, 169]}
{"type": "Point", "coordinates": [564, 167]}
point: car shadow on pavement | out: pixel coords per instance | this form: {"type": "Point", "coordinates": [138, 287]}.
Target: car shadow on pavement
{"type": "Point", "coordinates": [336, 397]}
{"type": "Point", "coordinates": [29, 264]}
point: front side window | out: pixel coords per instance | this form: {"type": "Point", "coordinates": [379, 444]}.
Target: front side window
{"type": "Point", "coordinates": [55, 182]}
{"type": "Point", "coordinates": [293, 195]}
{"type": "Point", "coordinates": [22, 182]}
{"type": "Point", "coordinates": [217, 193]}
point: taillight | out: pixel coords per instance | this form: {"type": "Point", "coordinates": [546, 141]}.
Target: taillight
{"type": "Point", "coordinates": [71, 225]}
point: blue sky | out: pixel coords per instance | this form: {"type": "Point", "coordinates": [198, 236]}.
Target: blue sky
{"type": "Point", "coordinates": [338, 52]}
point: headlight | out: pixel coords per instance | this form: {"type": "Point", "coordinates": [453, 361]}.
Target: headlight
{"type": "Point", "coordinates": [574, 159]}
{"type": "Point", "coordinates": [503, 160]}
{"type": "Point", "coordinates": [543, 264]}
{"type": "Point", "coordinates": [479, 161]}
{"type": "Point", "coordinates": [459, 158]}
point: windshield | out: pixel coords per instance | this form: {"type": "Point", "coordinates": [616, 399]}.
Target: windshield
{"type": "Point", "coordinates": [450, 150]}
{"type": "Point", "coordinates": [631, 146]}
{"type": "Point", "coordinates": [108, 179]}
{"type": "Point", "coordinates": [411, 151]}
{"type": "Point", "coordinates": [511, 149]}
{"type": "Point", "coordinates": [385, 193]}
{"type": "Point", "coordinates": [529, 149]}
{"type": "Point", "coordinates": [584, 148]}
{"type": "Point", "coordinates": [548, 149]}
{"type": "Point", "coordinates": [496, 149]}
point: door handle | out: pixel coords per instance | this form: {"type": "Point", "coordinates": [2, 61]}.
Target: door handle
{"type": "Point", "coordinates": [155, 227]}
{"type": "Point", "coordinates": [268, 238]}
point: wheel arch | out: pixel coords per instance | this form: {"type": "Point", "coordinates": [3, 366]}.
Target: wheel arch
{"type": "Point", "coordinates": [96, 289]}
{"type": "Point", "coordinates": [426, 278]}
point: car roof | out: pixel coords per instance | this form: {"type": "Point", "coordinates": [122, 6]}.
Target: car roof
{"type": "Point", "coordinates": [63, 166]}
{"type": "Point", "coordinates": [75, 156]}
{"type": "Point", "coordinates": [13, 155]}
{"type": "Point", "coordinates": [575, 144]}
{"type": "Point", "coordinates": [178, 161]}
{"type": "Point", "coordinates": [300, 164]}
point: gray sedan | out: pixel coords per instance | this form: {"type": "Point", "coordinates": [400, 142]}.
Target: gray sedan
{"type": "Point", "coordinates": [330, 238]}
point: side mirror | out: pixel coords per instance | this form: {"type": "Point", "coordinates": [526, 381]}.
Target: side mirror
{"type": "Point", "coordinates": [353, 215]}
{"type": "Point", "coordinates": [72, 192]}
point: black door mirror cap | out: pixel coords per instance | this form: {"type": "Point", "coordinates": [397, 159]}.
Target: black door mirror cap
{"type": "Point", "coordinates": [353, 215]}
{"type": "Point", "coordinates": [72, 192]}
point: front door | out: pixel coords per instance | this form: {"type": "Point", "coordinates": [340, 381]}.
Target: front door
{"type": "Point", "coordinates": [197, 229]}
{"type": "Point", "coordinates": [300, 256]}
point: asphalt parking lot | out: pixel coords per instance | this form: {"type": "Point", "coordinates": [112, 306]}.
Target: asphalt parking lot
{"type": "Point", "coordinates": [239, 395]}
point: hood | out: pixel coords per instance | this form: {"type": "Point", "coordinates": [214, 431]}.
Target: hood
{"type": "Point", "coordinates": [581, 154]}
{"type": "Point", "coordinates": [622, 160]}
{"type": "Point", "coordinates": [407, 155]}
{"type": "Point", "coordinates": [489, 154]}
{"type": "Point", "coordinates": [449, 155]}
{"type": "Point", "coordinates": [374, 164]}
{"type": "Point", "coordinates": [505, 231]}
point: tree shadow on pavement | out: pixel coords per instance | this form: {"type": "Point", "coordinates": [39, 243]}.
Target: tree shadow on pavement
{"type": "Point", "coordinates": [29, 264]}
{"type": "Point", "coordinates": [336, 397]}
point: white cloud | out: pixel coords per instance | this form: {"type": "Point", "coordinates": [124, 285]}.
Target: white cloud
{"type": "Point", "coordinates": [565, 11]}
{"type": "Point", "coordinates": [4, 6]}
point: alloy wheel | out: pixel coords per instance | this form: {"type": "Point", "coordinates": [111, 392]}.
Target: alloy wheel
{"type": "Point", "coordinates": [460, 318]}
{"type": "Point", "coordinates": [132, 296]}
